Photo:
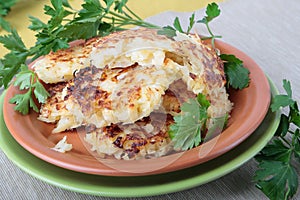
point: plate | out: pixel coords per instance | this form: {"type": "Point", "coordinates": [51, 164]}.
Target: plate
{"type": "Point", "coordinates": [141, 185]}
{"type": "Point", "coordinates": [250, 107]}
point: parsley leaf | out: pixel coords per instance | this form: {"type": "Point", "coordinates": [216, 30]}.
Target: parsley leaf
{"type": "Point", "coordinates": [91, 11]}
{"type": "Point", "coordinates": [120, 4]}
{"type": "Point", "coordinates": [188, 126]}
{"type": "Point", "coordinates": [23, 78]}
{"type": "Point", "coordinates": [278, 180]}
{"type": "Point", "coordinates": [40, 92]}
{"type": "Point", "coordinates": [36, 24]}
{"type": "Point", "coordinates": [12, 61]}
{"type": "Point", "coordinates": [5, 25]}
{"type": "Point", "coordinates": [177, 25]}
{"type": "Point", "coordinates": [283, 125]}
{"type": "Point", "coordinates": [26, 79]}
{"type": "Point", "coordinates": [294, 114]}
{"type": "Point", "coordinates": [5, 7]}
{"type": "Point", "coordinates": [13, 42]}
{"type": "Point", "coordinates": [48, 38]}
{"type": "Point", "coordinates": [23, 102]}
{"type": "Point", "coordinates": [283, 100]}
{"type": "Point", "coordinates": [275, 150]}
{"type": "Point", "coordinates": [191, 24]}
{"type": "Point", "coordinates": [212, 11]}
{"type": "Point", "coordinates": [236, 74]}
{"type": "Point", "coordinates": [168, 31]}
{"type": "Point", "coordinates": [287, 87]}
{"type": "Point", "coordinates": [86, 24]}
{"type": "Point", "coordinates": [276, 176]}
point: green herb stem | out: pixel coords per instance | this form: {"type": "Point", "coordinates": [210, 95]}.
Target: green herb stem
{"type": "Point", "coordinates": [276, 177]}
{"type": "Point", "coordinates": [211, 37]}
{"type": "Point", "coordinates": [131, 21]}
{"type": "Point", "coordinates": [208, 29]}
{"type": "Point", "coordinates": [131, 12]}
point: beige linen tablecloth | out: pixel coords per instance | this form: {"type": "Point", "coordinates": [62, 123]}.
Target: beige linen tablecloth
{"type": "Point", "coordinates": [268, 31]}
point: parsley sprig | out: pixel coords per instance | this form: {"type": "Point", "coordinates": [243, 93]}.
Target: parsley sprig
{"type": "Point", "coordinates": [212, 12]}
{"type": "Point", "coordinates": [14, 59]}
{"type": "Point", "coordinates": [27, 80]}
{"type": "Point", "coordinates": [65, 24]}
{"type": "Point", "coordinates": [186, 131]}
{"type": "Point", "coordinates": [100, 19]}
{"type": "Point", "coordinates": [277, 175]}
{"type": "Point", "coordinates": [237, 75]}
{"type": "Point", "coordinates": [94, 19]}
{"type": "Point", "coordinates": [190, 126]}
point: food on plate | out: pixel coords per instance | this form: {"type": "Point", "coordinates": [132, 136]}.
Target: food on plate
{"type": "Point", "coordinates": [62, 146]}
{"type": "Point", "coordinates": [126, 88]}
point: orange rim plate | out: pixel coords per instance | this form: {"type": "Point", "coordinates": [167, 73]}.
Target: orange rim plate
{"type": "Point", "coordinates": [250, 107]}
